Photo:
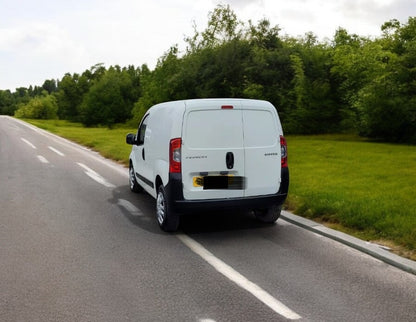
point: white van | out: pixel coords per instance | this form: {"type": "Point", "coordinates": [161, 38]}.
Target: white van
{"type": "Point", "coordinates": [210, 154]}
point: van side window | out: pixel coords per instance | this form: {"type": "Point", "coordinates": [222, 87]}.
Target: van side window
{"type": "Point", "coordinates": [142, 131]}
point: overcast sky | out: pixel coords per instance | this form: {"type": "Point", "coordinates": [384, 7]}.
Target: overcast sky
{"type": "Point", "coordinates": [44, 39]}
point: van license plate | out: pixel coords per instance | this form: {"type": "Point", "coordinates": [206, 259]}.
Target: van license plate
{"type": "Point", "coordinates": [219, 182]}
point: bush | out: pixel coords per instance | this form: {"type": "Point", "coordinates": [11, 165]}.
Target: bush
{"type": "Point", "coordinates": [41, 107]}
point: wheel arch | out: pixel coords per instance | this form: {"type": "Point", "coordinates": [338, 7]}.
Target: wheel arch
{"type": "Point", "coordinates": [158, 182]}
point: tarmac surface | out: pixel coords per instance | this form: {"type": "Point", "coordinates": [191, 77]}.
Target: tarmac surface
{"type": "Point", "coordinates": [371, 249]}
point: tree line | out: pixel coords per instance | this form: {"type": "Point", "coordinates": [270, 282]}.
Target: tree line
{"type": "Point", "coordinates": [347, 84]}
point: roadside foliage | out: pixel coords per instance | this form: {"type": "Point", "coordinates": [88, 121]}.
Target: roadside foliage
{"type": "Point", "coordinates": [345, 84]}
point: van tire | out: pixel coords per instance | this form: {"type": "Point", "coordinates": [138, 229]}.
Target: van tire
{"type": "Point", "coordinates": [167, 219]}
{"type": "Point", "coordinates": [269, 215]}
{"type": "Point", "coordinates": [134, 185]}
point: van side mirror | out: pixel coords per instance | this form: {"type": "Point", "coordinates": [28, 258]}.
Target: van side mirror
{"type": "Point", "coordinates": [131, 139]}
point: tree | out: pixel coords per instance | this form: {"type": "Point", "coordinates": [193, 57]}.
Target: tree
{"type": "Point", "coordinates": [355, 62]}
{"type": "Point", "coordinates": [50, 86]}
{"type": "Point", "coordinates": [165, 83]}
{"type": "Point", "coordinates": [223, 26]}
{"type": "Point", "coordinates": [7, 104]}
{"type": "Point", "coordinates": [267, 69]}
{"type": "Point", "coordinates": [108, 101]}
{"type": "Point", "coordinates": [71, 91]}
{"type": "Point", "coordinates": [40, 107]}
{"type": "Point", "coordinates": [263, 35]}
{"type": "Point", "coordinates": [387, 103]}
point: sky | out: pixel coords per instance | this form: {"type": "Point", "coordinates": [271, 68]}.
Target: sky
{"type": "Point", "coordinates": [45, 39]}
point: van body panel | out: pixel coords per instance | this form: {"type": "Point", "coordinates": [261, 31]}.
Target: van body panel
{"type": "Point", "coordinates": [261, 152]}
{"type": "Point", "coordinates": [162, 171]}
{"type": "Point", "coordinates": [209, 134]}
{"type": "Point", "coordinates": [250, 130]}
{"type": "Point", "coordinates": [142, 166]}
{"type": "Point", "coordinates": [164, 122]}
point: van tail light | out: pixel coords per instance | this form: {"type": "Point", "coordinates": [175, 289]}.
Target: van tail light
{"type": "Point", "coordinates": [283, 152]}
{"type": "Point", "coordinates": [175, 155]}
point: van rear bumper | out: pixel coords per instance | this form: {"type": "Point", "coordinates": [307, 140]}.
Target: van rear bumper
{"type": "Point", "coordinates": [180, 205]}
{"type": "Point", "coordinates": [186, 206]}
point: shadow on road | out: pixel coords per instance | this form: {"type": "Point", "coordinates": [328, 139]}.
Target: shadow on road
{"type": "Point", "coordinates": [139, 209]}
{"type": "Point", "coordinates": [208, 222]}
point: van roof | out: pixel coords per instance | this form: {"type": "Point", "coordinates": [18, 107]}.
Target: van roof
{"type": "Point", "coordinates": [239, 103]}
{"type": "Point", "coordinates": [220, 100]}
{"type": "Point", "coordinates": [214, 103]}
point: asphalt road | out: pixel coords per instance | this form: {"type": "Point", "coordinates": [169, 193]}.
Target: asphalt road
{"type": "Point", "coordinates": [77, 245]}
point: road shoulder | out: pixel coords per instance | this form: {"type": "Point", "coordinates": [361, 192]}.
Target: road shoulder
{"type": "Point", "coordinates": [366, 247]}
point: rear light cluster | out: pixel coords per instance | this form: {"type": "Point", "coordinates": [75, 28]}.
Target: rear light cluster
{"type": "Point", "coordinates": [175, 155]}
{"type": "Point", "coordinates": [283, 152]}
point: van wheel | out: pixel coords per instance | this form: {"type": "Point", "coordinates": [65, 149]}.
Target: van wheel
{"type": "Point", "coordinates": [167, 219]}
{"type": "Point", "coordinates": [134, 186]}
{"type": "Point", "coordinates": [269, 215]}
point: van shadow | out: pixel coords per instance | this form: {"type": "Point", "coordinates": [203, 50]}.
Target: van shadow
{"type": "Point", "coordinates": [139, 209]}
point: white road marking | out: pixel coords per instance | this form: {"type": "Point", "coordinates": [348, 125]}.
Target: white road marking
{"type": "Point", "coordinates": [130, 207]}
{"type": "Point", "coordinates": [95, 176]}
{"type": "Point", "coordinates": [56, 151]}
{"type": "Point", "coordinates": [28, 143]}
{"type": "Point", "coordinates": [239, 279]}
{"type": "Point", "coordinates": [79, 148]}
{"type": "Point", "coordinates": [42, 159]}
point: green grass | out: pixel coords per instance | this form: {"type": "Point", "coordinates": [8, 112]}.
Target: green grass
{"type": "Point", "coordinates": [364, 188]}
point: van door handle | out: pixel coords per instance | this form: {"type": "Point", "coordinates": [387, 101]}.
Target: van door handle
{"type": "Point", "coordinates": [143, 154]}
{"type": "Point", "coordinates": [229, 160]}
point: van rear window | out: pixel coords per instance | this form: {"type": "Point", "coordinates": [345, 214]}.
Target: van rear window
{"type": "Point", "coordinates": [214, 129]}
{"type": "Point", "coordinates": [259, 129]}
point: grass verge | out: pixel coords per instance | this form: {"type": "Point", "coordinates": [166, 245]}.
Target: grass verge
{"type": "Point", "coordinates": [110, 143]}
{"type": "Point", "coordinates": [363, 188]}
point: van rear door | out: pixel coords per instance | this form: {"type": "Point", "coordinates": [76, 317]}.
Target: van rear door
{"type": "Point", "coordinates": [262, 131]}
{"type": "Point", "coordinates": [213, 150]}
